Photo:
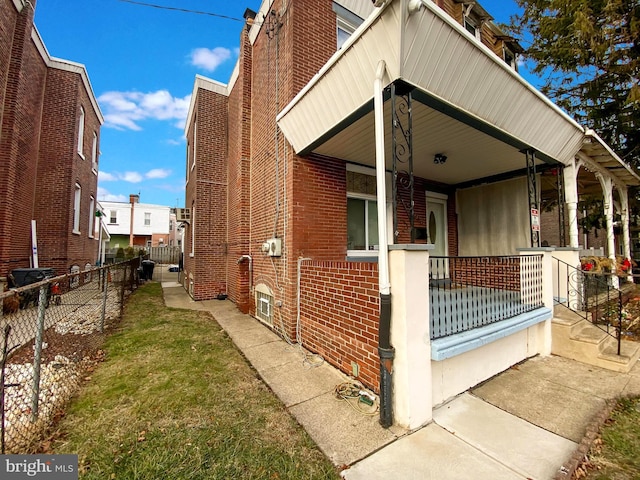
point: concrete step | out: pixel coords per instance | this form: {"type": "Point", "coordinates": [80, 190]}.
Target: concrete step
{"type": "Point", "coordinates": [575, 338]}
{"type": "Point", "coordinates": [629, 355]}
{"type": "Point", "coordinates": [564, 316]}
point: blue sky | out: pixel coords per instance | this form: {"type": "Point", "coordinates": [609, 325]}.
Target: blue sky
{"type": "Point", "coordinates": [142, 63]}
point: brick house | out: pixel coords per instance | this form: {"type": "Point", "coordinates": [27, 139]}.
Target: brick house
{"type": "Point", "coordinates": [368, 185]}
{"type": "Point", "coordinates": [49, 147]}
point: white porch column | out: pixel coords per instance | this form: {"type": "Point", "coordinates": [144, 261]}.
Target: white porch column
{"type": "Point", "coordinates": [409, 272]}
{"type": "Point", "coordinates": [626, 235]}
{"type": "Point", "coordinates": [570, 173]}
{"type": "Point", "coordinates": [607, 191]}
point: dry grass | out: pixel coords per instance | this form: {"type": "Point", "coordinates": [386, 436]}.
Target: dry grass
{"type": "Point", "coordinates": [174, 399]}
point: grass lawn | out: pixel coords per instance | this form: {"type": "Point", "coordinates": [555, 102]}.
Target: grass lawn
{"type": "Point", "coordinates": [174, 399]}
{"type": "Point", "coordinates": [617, 455]}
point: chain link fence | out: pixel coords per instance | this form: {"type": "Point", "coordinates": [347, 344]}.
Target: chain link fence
{"type": "Point", "coordinates": [52, 332]}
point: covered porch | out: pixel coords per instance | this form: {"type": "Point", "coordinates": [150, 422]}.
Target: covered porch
{"type": "Point", "coordinates": [414, 95]}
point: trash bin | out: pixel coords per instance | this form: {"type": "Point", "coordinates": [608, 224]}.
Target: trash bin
{"type": "Point", "coordinates": [147, 269]}
{"type": "Point", "coordinates": [26, 276]}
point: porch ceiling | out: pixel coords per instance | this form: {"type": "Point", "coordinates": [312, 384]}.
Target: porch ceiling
{"type": "Point", "coordinates": [469, 105]}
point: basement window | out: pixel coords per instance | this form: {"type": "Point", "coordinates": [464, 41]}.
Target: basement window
{"type": "Point", "coordinates": [264, 307]}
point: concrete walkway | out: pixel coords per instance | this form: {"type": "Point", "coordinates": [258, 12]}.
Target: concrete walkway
{"type": "Point", "coordinates": [524, 423]}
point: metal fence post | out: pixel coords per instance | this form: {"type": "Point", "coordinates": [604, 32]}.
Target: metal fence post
{"type": "Point", "coordinates": [105, 278]}
{"type": "Point", "coordinates": [42, 300]}
{"type": "Point", "coordinates": [124, 279]}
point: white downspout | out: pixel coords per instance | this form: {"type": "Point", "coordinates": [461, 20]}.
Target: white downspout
{"type": "Point", "coordinates": [381, 193]}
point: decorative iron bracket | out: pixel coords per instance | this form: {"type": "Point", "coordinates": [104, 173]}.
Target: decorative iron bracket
{"type": "Point", "coordinates": [402, 147]}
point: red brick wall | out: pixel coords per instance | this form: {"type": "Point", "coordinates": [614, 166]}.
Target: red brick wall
{"type": "Point", "coordinates": [58, 246]}
{"type": "Point", "coordinates": [207, 190]}
{"type": "Point", "coordinates": [239, 180]}
{"type": "Point", "coordinates": [23, 77]}
{"type": "Point", "coordinates": [39, 166]}
{"type": "Point", "coordinates": [339, 308]}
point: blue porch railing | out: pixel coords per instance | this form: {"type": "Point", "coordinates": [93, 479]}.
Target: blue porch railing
{"type": "Point", "coordinates": [470, 292]}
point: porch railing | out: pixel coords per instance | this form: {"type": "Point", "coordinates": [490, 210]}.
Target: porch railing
{"type": "Point", "coordinates": [590, 296]}
{"type": "Point", "coordinates": [470, 292]}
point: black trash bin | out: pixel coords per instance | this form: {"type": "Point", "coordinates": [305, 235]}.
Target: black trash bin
{"type": "Point", "coordinates": [26, 276]}
{"type": "Point", "coordinates": [147, 269]}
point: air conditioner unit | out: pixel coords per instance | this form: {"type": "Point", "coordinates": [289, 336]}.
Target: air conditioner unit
{"type": "Point", "coordinates": [183, 215]}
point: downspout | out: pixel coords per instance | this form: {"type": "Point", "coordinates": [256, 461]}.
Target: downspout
{"type": "Point", "coordinates": [385, 350]}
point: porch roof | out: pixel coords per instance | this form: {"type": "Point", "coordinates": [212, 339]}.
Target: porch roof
{"type": "Point", "coordinates": [468, 103]}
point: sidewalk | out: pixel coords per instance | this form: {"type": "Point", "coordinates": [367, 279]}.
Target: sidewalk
{"type": "Point", "coordinates": [524, 423]}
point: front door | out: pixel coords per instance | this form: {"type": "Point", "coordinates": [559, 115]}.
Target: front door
{"type": "Point", "coordinates": [437, 232]}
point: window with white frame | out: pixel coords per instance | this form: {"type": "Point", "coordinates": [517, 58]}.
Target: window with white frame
{"type": "Point", "coordinates": [362, 213]}
{"type": "Point", "coordinates": [346, 23]}
{"type": "Point", "coordinates": [472, 26]}
{"type": "Point", "coordinates": [80, 141]}
{"type": "Point", "coordinates": [510, 58]}
{"type": "Point", "coordinates": [147, 219]}
{"type": "Point", "coordinates": [76, 209]}
{"type": "Point", "coordinates": [193, 229]}
{"type": "Point", "coordinates": [92, 215]}
{"type": "Point", "coordinates": [195, 142]}
{"type": "Point", "coordinates": [94, 152]}
{"type": "Point", "coordinates": [113, 216]}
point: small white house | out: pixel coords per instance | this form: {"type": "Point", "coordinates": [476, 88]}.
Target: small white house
{"type": "Point", "coordinates": [151, 225]}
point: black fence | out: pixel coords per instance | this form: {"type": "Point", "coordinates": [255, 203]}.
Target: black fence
{"type": "Point", "coordinates": [52, 332]}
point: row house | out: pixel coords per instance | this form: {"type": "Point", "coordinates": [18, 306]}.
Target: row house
{"type": "Point", "coordinates": [138, 224]}
{"type": "Point", "coordinates": [368, 184]}
{"type": "Point", "coordinates": [49, 148]}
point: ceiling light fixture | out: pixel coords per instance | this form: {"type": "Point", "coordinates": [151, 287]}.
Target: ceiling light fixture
{"type": "Point", "coordinates": [439, 159]}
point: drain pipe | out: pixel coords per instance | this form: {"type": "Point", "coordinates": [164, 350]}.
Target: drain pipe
{"type": "Point", "coordinates": [385, 350]}
{"type": "Point", "coordinates": [248, 257]}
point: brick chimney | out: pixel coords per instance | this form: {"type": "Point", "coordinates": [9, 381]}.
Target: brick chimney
{"type": "Point", "coordinates": [133, 199]}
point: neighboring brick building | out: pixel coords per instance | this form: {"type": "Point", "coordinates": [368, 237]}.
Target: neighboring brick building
{"type": "Point", "coordinates": [49, 146]}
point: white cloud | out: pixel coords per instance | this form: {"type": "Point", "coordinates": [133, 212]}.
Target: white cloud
{"type": "Point", "coordinates": [105, 196]}
{"type": "Point", "coordinates": [134, 177]}
{"type": "Point", "coordinates": [125, 110]}
{"type": "Point", "coordinates": [107, 177]}
{"type": "Point", "coordinates": [158, 173]}
{"type": "Point", "coordinates": [210, 58]}
{"type": "Point", "coordinates": [131, 177]}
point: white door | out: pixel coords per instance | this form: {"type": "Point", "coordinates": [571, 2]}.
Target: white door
{"type": "Point", "coordinates": [437, 233]}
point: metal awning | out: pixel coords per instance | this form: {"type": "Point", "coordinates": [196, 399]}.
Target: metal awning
{"type": "Point", "coordinates": [468, 103]}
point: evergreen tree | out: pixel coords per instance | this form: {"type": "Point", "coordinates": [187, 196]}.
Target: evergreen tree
{"type": "Point", "coordinates": [586, 51]}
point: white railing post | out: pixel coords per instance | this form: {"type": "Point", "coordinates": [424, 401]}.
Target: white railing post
{"type": "Point", "coordinates": [542, 343]}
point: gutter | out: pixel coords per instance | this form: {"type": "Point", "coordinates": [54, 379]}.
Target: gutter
{"type": "Point", "coordinates": [385, 351]}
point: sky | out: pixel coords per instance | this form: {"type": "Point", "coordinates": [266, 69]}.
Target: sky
{"type": "Point", "coordinates": [142, 62]}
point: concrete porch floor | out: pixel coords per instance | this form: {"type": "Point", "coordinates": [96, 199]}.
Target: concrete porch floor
{"type": "Point", "coordinates": [524, 423]}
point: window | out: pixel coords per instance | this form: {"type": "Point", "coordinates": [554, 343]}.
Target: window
{"type": "Point", "coordinates": [195, 141]}
{"type": "Point", "coordinates": [147, 219]}
{"type": "Point", "coordinates": [81, 132]}
{"type": "Point", "coordinates": [347, 23]}
{"type": "Point", "coordinates": [472, 27]}
{"type": "Point", "coordinates": [76, 209]}
{"type": "Point", "coordinates": [192, 227]}
{"type": "Point", "coordinates": [362, 224]}
{"type": "Point", "coordinates": [92, 215]}
{"type": "Point", "coordinates": [344, 30]}
{"type": "Point", "coordinates": [264, 305]}
{"type": "Point", "coordinates": [509, 58]}
{"type": "Point", "coordinates": [113, 216]}
{"type": "Point", "coordinates": [94, 152]}
{"type": "Point", "coordinates": [362, 213]}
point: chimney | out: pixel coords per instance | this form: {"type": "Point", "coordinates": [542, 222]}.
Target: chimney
{"type": "Point", "coordinates": [133, 199]}
{"type": "Point", "coordinates": [249, 17]}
